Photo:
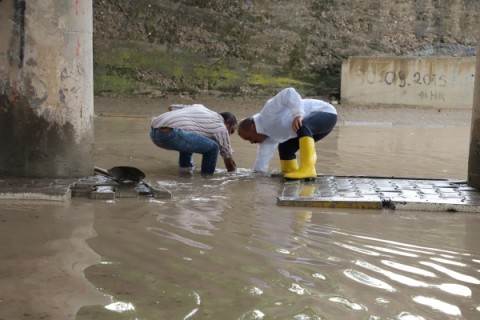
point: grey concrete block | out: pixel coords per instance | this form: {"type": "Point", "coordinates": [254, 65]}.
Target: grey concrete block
{"type": "Point", "coordinates": [103, 193]}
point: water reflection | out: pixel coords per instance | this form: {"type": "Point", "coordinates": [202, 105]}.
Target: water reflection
{"type": "Point", "coordinates": [429, 278]}
{"type": "Point", "coordinates": [457, 289]}
{"type": "Point", "coordinates": [435, 304]}
{"type": "Point", "coordinates": [407, 268]}
{"type": "Point", "coordinates": [120, 306]}
{"type": "Point", "coordinates": [392, 275]}
{"type": "Point", "coordinates": [223, 249]}
{"type": "Point", "coordinates": [184, 240]}
{"type": "Point", "coordinates": [455, 275]}
{"type": "Point", "coordinates": [349, 304]}
{"type": "Point", "coordinates": [197, 302]}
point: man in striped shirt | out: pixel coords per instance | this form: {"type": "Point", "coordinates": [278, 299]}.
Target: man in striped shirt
{"type": "Point", "coordinates": [196, 129]}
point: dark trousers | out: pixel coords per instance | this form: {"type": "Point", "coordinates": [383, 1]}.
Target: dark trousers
{"type": "Point", "coordinates": [317, 125]}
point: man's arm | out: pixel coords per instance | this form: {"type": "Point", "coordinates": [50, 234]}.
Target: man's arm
{"type": "Point", "coordinates": [230, 164]}
{"type": "Point", "coordinates": [264, 155]}
{"type": "Point", "coordinates": [226, 151]}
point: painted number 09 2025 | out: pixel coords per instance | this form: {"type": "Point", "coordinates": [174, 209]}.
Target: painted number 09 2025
{"type": "Point", "coordinates": [428, 79]}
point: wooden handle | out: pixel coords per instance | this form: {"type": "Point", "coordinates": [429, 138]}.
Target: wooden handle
{"type": "Point", "coordinates": [102, 171]}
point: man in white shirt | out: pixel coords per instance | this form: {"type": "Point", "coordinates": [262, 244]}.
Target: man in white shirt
{"type": "Point", "coordinates": [290, 123]}
{"type": "Point", "coordinates": [192, 129]}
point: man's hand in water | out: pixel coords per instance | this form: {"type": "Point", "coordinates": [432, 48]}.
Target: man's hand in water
{"type": "Point", "coordinates": [230, 164]}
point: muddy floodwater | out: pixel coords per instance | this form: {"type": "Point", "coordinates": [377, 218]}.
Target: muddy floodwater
{"type": "Point", "coordinates": [221, 248]}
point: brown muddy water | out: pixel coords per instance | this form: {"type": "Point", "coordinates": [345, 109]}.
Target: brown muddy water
{"type": "Point", "coordinates": [222, 249]}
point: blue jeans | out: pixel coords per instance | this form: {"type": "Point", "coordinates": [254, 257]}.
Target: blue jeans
{"type": "Point", "coordinates": [317, 125]}
{"type": "Point", "coordinates": [187, 143]}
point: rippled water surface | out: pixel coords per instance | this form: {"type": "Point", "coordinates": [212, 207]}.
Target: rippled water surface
{"type": "Point", "coordinates": [222, 249]}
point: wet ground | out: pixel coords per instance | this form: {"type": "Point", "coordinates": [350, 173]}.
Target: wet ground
{"type": "Point", "coordinates": [222, 248]}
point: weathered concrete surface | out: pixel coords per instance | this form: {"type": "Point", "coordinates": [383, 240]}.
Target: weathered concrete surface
{"type": "Point", "coordinates": [46, 89]}
{"type": "Point", "coordinates": [35, 189]}
{"type": "Point", "coordinates": [474, 154]}
{"type": "Point", "coordinates": [437, 82]}
{"type": "Point", "coordinates": [382, 193]}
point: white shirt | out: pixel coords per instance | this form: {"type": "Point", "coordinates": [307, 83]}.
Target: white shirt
{"type": "Point", "coordinates": [276, 118]}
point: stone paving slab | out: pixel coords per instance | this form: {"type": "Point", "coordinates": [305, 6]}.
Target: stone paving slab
{"type": "Point", "coordinates": [352, 192]}
{"type": "Point", "coordinates": [36, 189]}
{"type": "Point", "coordinates": [381, 193]}
{"type": "Point", "coordinates": [93, 187]}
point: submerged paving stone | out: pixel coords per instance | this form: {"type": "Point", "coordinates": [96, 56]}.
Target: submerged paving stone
{"type": "Point", "coordinates": [93, 187]}
{"type": "Point", "coordinates": [381, 193]}
{"type": "Point", "coordinates": [103, 193]}
{"type": "Point", "coordinates": [155, 191]}
{"type": "Point", "coordinates": [124, 189]}
{"type": "Point", "coordinates": [127, 190]}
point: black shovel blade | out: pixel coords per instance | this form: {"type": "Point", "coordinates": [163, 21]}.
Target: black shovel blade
{"type": "Point", "coordinates": [122, 173]}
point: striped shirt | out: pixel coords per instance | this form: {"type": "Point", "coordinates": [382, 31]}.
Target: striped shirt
{"type": "Point", "coordinates": [199, 119]}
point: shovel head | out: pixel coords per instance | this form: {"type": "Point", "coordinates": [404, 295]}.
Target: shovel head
{"type": "Point", "coordinates": [123, 173]}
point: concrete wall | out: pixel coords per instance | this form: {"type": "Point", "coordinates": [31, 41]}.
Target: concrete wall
{"type": "Point", "coordinates": [438, 82]}
{"type": "Point", "coordinates": [46, 88]}
{"type": "Point", "coordinates": [474, 153]}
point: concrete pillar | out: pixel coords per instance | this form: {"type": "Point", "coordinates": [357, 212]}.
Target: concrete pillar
{"type": "Point", "coordinates": [474, 156]}
{"type": "Point", "coordinates": [46, 88]}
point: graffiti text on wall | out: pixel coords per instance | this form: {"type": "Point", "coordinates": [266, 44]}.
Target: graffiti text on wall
{"type": "Point", "coordinates": [429, 84]}
{"type": "Point", "coordinates": [402, 79]}
{"type": "Point", "coordinates": [392, 77]}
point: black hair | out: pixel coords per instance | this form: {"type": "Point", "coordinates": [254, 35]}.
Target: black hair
{"type": "Point", "coordinates": [246, 124]}
{"type": "Point", "coordinates": [229, 117]}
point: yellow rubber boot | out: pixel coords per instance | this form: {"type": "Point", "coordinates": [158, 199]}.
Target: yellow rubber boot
{"type": "Point", "coordinates": [308, 159]}
{"type": "Point", "coordinates": [288, 165]}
